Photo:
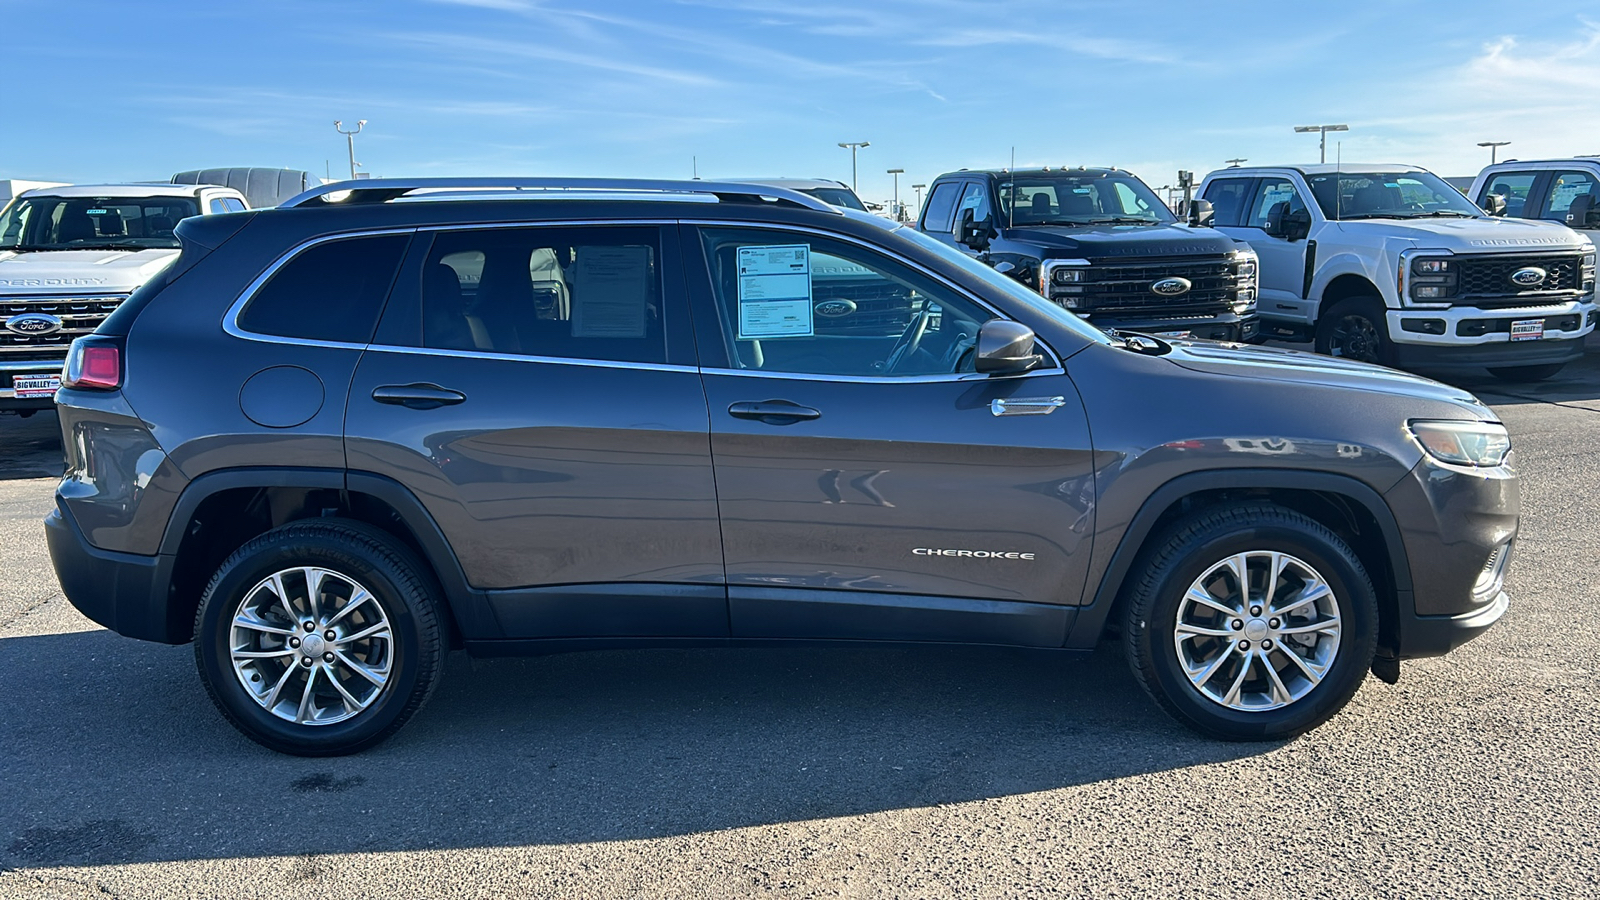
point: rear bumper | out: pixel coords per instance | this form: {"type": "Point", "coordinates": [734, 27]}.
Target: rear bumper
{"type": "Point", "coordinates": [125, 592]}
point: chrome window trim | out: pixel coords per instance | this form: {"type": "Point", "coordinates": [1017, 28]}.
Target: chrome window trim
{"type": "Point", "coordinates": [883, 379]}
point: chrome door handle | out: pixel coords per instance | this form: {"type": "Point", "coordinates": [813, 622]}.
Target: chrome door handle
{"type": "Point", "coordinates": [773, 412]}
{"type": "Point", "coordinates": [1026, 406]}
{"type": "Point", "coordinates": [417, 396]}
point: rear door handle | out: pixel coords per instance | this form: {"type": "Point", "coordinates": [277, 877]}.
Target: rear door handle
{"type": "Point", "coordinates": [417, 396]}
{"type": "Point", "coordinates": [773, 412]}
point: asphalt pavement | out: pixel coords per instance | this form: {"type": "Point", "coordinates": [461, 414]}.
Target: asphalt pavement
{"type": "Point", "coordinates": [934, 772]}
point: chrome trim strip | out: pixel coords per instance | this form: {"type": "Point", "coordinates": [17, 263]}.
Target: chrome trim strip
{"type": "Point", "coordinates": [1026, 406]}
{"type": "Point", "coordinates": [882, 379]}
{"type": "Point", "coordinates": [547, 360]}
{"type": "Point", "coordinates": [630, 185]}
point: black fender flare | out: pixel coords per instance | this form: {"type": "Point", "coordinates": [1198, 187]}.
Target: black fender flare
{"type": "Point", "coordinates": [1089, 626]}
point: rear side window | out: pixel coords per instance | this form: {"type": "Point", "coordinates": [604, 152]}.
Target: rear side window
{"type": "Point", "coordinates": [331, 292]}
{"type": "Point", "coordinates": [1227, 199]}
{"type": "Point", "coordinates": [941, 204]}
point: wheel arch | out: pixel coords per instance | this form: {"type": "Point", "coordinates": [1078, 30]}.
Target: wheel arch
{"type": "Point", "coordinates": [1344, 286]}
{"type": "Point", "coordinates": [1350, 508]}
{"type": "Point", "coordinates": [219, 511]}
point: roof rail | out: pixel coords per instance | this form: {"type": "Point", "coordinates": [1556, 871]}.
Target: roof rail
{"type": "Point", "coordinates": [382, 190]}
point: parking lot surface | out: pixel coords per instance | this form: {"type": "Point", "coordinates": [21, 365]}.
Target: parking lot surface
{"type": "Point", "coordinates": [823, 773]}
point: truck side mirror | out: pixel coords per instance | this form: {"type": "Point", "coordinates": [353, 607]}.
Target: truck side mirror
{"type": "Point", "coordinates": [1274, 226]}
{"type": "Point", "coordinates": [1201, 214]}
{"type": "Point", "coordinates": [970, 231]}
{"type": "Point", "coordinates": [1582, 214]}
{"type": "Point", "coordinates": [1296, 224]}
{"type": "Point", "coordinates": [1005, 347]}
{"type": "Point", "coordinates": [1494, 204]}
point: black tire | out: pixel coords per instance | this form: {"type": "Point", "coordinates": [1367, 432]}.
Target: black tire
{"type": "Point", "coordinates": [1356, 329]}
{"type": "Point", "coordinates": [1527, 373]}
{"type": "Point", "coordinates": [398, 583]}
{"type": "Point", "coordinates": [1183, 553]}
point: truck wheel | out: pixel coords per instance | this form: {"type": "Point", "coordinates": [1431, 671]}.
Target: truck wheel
{"type": "Point", "coordinates": [319, 638]}
{"type": "Point", "coordinates": [1527, 373]}
{"type": "Point", "coordinates": [1251, 622]}
{"type": "Point", "coordinates": [1356, 329]}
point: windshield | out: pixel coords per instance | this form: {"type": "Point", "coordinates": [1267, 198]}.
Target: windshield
{"type": "Point", "coordinates": [1013, 290]}
{"type": "Point", "coordinates": [838, 197]}
{"type": "Point", "coordinates": [87, 223]}
{"type": "Point", "coordinates": [1089, 198]}
{"type": "Point", "coordinates": [1388, 195]}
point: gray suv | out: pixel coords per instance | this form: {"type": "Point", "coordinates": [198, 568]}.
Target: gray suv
{"type": "Point", "coordinates": [336, 439]}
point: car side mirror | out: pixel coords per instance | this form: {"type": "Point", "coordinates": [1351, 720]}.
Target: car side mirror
{"type": "Point", "coordinates": [1494, 205]}
{"type": "Point", "coordinates": [1274, 226]}
{"type": "Point", "coordinates": [1005, 348]}
{"type": "Point", "coordinates": [1582, 214]}
{"type": "Point", "coordinates": [971, 232]}
{"type": "Point", "coordinates": [1201, 214]}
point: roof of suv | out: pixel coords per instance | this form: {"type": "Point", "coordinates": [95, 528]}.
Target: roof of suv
{"type": "Point", "coordinates": [1326, 168]}
{"type": "Point", "coordinates": [1041, 170]}
{"type": "Point", "coordinates": [127, 189]}
{"type": "Point", "coordinates": [1556, 161]}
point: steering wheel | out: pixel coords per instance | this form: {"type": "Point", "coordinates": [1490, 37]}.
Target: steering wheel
{"type": "Point", "coordinates": [909, 340]}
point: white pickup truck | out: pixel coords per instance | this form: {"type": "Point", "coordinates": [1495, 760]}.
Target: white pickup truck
{"type": "Point", "coordinates": [68, 256]}
{"type": "Point", "coordinates": [1552, 190]}
{"type": "Point", "coordinates": [1389, 264]}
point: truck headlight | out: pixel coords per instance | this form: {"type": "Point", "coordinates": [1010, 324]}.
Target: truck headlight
{"type": "Point", "coordinates": [1069, 275]}
{"type": "Point", "coordinates": [1429, 276]}
{"type": "Point", "coordinates": [1245, 266]}
{"type": "Point", "coordinates": [1587, 277]}
{"type": "Point", "coordinates": [1462, 443]}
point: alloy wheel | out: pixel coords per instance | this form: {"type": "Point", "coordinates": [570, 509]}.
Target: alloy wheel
{"type": "Point", "coordinates": [1355, 337]}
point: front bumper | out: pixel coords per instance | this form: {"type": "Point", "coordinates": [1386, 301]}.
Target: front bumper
{"type": "Point", "coordinates": [1219, 328]}
{"type": "Point", "coordinates": [1458, 525]}
{"type": "Point", "coordinates": [1459, 349]}
{"type": "Point", "coordinates": [8, 394]}
{"type": "Point", "coordinates": [125, 592]}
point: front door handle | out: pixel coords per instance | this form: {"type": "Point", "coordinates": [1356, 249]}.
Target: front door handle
{"type": "Point", "coordinates": [417, 396]}
{"type": "Point", "coordinates": [772, 412]}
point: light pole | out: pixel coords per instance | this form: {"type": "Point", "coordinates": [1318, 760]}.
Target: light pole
{"type": "Point", "coordinates": [1494, 147]}
{"type": "Point", "coordinates": [899, 214]}
{"type": "Point", "coordinates": [1235, 163]}
{"type": "Point", "coordinates": [1323, 130]}
{"type": "Point", "coordinates": [918, 188]}
{"type": "Point", "coordinates": [853, 146]}
{"type": "Point", "coordinates": [350, 136]}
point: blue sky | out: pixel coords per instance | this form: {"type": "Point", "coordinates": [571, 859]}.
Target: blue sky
{"type": "Point", "coordinates": [107, 89]}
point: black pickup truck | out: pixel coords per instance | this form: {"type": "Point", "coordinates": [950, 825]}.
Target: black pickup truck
{"type": "Point", "coordinates": [1102, 244]}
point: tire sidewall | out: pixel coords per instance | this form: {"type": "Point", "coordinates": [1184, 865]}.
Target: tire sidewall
{"type": "Point", "coordinates": [1358, 633]}
{"type": "Point", "coordinates": [1369, 308]}
{"type": "Point", "coordinates": [213, 640]}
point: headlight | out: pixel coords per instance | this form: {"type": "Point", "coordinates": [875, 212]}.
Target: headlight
{"type": "Point", "coordinates": [1431, 266]}
{"type": "Point", "coordinates": [1245, 265]}
{"type": "Point", "coordinates": [1069, 275]}
{"type": "Point", "coordinates": [1463, 443]}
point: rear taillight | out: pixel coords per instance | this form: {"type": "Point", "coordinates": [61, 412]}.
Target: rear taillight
{"type": "Point", "coordinates": [93, 364]}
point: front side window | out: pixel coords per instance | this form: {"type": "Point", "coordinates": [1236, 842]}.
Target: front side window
{"type": "Point", "coordinates": [1388, 195]}
{"type": "Point", "coordinates": [1227, 198]}
{"type": "Point", "coordinates": [93, 223]}
{"type": "Point", "coordinates": [937, 216]}
{"type": "Point", "coordinates": [1269, 193]}
{"type": "Point", "coordinates": [333, 291]}
{"type": "Point", "coordinates": [975, 198]}
{"type": "Point", "coordinates": [785, 297]}
{"type": "Point", "coordinates": [589, 293]}
{"type": "Point", "coordinates": [1090, 198]}
{"type": "Point", "coordinates": [1566, 188]}
{"type": "Point", "coordinates": [1513, 188]}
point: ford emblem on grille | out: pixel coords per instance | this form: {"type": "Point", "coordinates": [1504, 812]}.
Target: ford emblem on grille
{"type": "Point", "coordinates": [33, 324]}
{"type": "Point", "coordinates": [833, 309]}
{"type": "Point", "coordinates": [1170, 287]}
{"type": "Point", "coordinates": [1532, 276]}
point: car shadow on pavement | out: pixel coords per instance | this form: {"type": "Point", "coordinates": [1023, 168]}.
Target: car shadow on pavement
{"type": "Point", "coordinates": [31, 447]}
{"type": "Point", "coordinates": [114, 753]}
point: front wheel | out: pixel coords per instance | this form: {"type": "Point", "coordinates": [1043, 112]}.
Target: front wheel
{"type": "Point", "coordinates": [319, 638]}
{"type": "Point", "coordinates": [1251, 622]}
{"type": "Point", "coordinates": [1356, 329]}
{"type": "Point", "coordinates": [1527, 373]}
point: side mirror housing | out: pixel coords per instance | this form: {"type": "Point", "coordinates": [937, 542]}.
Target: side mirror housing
{"type": "Point", "coordinates": [1201, 214]}
{"type": "Point", "coordinates": [1494, 204]}
{"type": "Point", "coordinates": [1006, 347]}
{"type": "Point", "coordinates": [972, 232]}
{"type": "Point", "coordinates": [1297, 224]}
{"type": "Point", "coordinates": [1274, 226]}
{"type": "Point", "coordinates": [1582, 212]}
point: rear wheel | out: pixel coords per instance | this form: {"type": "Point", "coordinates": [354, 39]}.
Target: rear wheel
{"type": "Point", "coordinates": [1251, 623]}
{"type": "Point", "coordinates": [1527, 373]}
{"type": "Point", "coordinates": [319, 638]}
{"type": "Point", "coordinates": [1356, 329]}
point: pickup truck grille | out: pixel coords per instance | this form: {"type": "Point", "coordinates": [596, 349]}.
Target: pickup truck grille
{"type": "Point", "coordinates": [1122, 287]}
{"type": "Point", "coordinates": [882, 307]}
{"type": "Point", "coordinates": [1486, 281]}
{"type": "Point", "coordinates": [79, 316]}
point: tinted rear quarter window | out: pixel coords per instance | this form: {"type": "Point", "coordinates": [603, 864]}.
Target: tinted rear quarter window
{"type": "Point", "coordinates": [331, 292]}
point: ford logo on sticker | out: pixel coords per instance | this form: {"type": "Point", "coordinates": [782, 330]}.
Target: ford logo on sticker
{"type": "Point", "coordinates": [834, 309]}
{"type": "Point", "coordinates": [1532, 276]}
{"type": "Point", "coordinates": [1170, 287]}
{"type": "Point", "coordinates": [33, 324]}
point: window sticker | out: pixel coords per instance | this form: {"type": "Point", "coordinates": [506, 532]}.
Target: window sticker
{"type": "Point", "coordinates": [775, 291]}
{"type": "Point", "coordinates": [610, 291]}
